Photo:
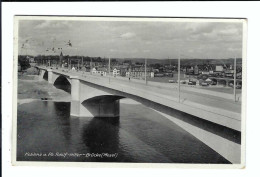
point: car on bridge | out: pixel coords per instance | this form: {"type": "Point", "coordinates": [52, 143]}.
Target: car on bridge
{"type": "Point", "coordinates": [183, 82]}
{"type": "Point", "coordinates": [237, 86]}
{"type": "Point", "coordinates": [192, 83]}
{"type": "Point", "coordinates": [204, 83]}
{"type": "Point", "coordinates": [213, 82]}
{"type": "Point", "coordinates": [172, 81]}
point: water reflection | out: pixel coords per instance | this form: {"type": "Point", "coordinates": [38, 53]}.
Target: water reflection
{"type": "Point", "coordinates": [101, 135]}
{"type": "Point", "coordinates": [62, 112]}
{"type": "Point", "coordinates": [140, 135]}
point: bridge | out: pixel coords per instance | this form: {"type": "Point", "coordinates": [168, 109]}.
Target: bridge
{"type": "Point", "coordinates": [99, 96]}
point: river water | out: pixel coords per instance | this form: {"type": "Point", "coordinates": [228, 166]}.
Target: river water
{"type": "Point", "coordinates": [47, 132]}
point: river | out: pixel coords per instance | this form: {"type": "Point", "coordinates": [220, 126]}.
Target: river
{"type": "Point", "coordinates": [47, 132]}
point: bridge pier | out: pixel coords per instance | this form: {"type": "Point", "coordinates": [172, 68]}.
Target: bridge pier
{"type": "Point", "coordinates": [75, 96]}
{"type": "Point", "coordinates": [41, 73]}
{"type": "Point", "coordinates": [50, 74]}
{"type": "Point", "coordinates": [100, 106]}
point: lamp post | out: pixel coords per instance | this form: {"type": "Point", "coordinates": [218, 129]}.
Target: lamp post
{"type": "Point", "coordinates": [109, 66]}
{"type": "Point", "coordinates": [78, 63]}
{"type": "Point", "coordinates": [145, 68]}
{"type": "Point", "coordinates": [235, 73]}
{"type": "Point", "coordinates": [82, 63]}
{"type": "Point", "coordinates": [109, 70]}
{"type": "Point", "coordinates": [90, 65]}
{"type": "Point", "coordinates": [179, 72]}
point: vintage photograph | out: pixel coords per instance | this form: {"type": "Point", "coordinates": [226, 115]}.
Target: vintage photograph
{"type": "Point", "coordinates": [129, 90]}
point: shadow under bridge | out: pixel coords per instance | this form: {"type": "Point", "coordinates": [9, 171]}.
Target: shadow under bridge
{"type": "Point", "coordinates": [63, 83]}
{"type": "Point", "coordinates": [103, 105]}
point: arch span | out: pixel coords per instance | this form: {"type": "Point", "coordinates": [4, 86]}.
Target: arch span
{"type": "Point", "coordinates": [103, 99]}
{"type": "Point", "coordinates": [63, 83]}
{"type": "Point", "coordinates": [103, 105]}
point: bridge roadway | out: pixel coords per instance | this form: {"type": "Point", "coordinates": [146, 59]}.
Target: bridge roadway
{"type": "Point", "coordinates": [215, 109]}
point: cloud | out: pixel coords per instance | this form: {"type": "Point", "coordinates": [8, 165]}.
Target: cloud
{"type": "Point", "coordinates": [52, 24]}
{"type": "Point", "coordinates": [230, 31]}
{"type": "Point", "coordinates": [146, 51]}
{"type": "Point", "coordinates": [112, 50]}
{"type": "Point", "coordinates": [128, 35]}
{"type": "Point", "coordinates": [133, 39]}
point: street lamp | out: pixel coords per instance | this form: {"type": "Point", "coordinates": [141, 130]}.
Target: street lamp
{"type": "Point", "coordinates": [145, 70]}
{"type": "Point", "coordinates": [179, 72]}
{"type": "Point", "coordinates": [235, 73]}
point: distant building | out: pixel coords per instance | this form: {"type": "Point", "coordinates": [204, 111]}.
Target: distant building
{"type": "Point", "coordinates": [205, 72]}
{"type": "Point", "coordinates": [102, 71]}
{"type": "Point", "coordinates": [126, 64]}
{"type": "Point", "coordinates": [139, 72]}
{"type": "Point", "coordinates": [219, 68]}
{"type": "Point", "coordinates": [31, 60]}
{"type": "Point", "coordinates": [116, 72]}
{"type": "Point", "coordinates": [190, 71]}
{"type": "Point", "coordinates": [99, 71]}
{"type": "Point", "coordinates": [208, 80]}
{"type": "Point", "coordinates": [196, 70]}
{"type": "Point", "coordinates": [93, 70]}
{"type": "Point", "coordinates": [123, 72]}
{"type": "Point", "coordinates": [158, 75]}
{"type": "Point", "coordinates": [229, 73]}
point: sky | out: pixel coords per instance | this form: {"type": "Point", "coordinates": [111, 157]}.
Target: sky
{"type": "Point", "coordinates": [131, 39]}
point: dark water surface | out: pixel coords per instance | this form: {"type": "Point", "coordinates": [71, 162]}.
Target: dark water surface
{"type": "Point", "coordinates": [47, 132]}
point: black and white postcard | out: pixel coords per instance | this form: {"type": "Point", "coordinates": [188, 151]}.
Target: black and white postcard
{"type": "Point", "coordinates": [139, 91]}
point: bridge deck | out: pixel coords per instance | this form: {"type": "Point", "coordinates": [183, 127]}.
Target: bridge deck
{"type": "Point", "coordinates": [217, 109]}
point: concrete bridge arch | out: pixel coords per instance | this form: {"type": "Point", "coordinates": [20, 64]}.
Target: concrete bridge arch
{"type": "Point", "coordinates": [88, 101]}
{"type": "Point", "coordinates": [63, 83]}
{"type": "Point", "coordinates": [51, 76]}
{"type": "Point", "coordinates": [102, 106]}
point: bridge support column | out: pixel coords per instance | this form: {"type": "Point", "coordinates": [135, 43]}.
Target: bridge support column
{"type": "Point", "coordinates": [41, 73]}
{"type": "Point", "coordinates": [101, 105]}
{"type": "Point", "coordinates": [50, 74]}
{"type": "Point", "coordinates": [75, 96]}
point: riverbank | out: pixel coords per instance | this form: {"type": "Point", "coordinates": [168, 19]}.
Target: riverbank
{"type": "Point", "coordinates": [31, 88]}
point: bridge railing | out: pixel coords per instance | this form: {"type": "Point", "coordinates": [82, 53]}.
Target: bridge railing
{"type": "Point", "coordinates": [166, 77]}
